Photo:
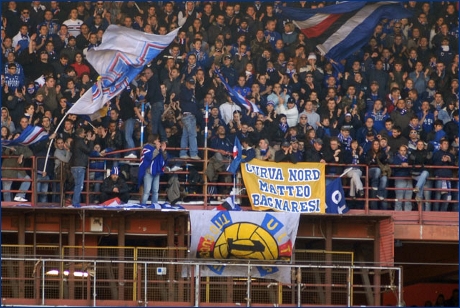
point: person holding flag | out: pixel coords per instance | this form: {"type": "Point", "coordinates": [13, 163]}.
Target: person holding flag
{"type": "Point", "coordinates": [153, 161]}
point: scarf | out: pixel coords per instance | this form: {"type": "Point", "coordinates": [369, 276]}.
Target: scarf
{"type": "Point", "coordinates": [402, 158]}
{"type": "Point", "coordinates": [284, 127]}
{"type": "Point", "coordinates": [401, 111]}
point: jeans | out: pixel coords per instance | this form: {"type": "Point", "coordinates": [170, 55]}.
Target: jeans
{"type": "Point", "coordinates": [79, 178]}
{"type": "Point", "coordinates": [157, 128]}
{"type": "Point", "coordinates": [129, 131]}
{"type": "Point", "coordinates": [97, 176]}
{"type": "Point", "coordinates": [42, 188]}
{"type": "Point", "coordinates": [23, 188]}
{"type": "Point", "coordinates": [421, 181]}
{"type": "Point", "coordinates": [378, 188]}
{"type": "Point", "coordinates": [151, 183]}
{"type": "Point", "coordinates": [442, 194]}
{"type": "Point", "coordinates": [188, 138]}
{"type": "Point", "coordinates": [355, 181]}
{"type": "Point", "coordinates": [427, 195]}
{"type": "Point", "coordinates": [403, 194]}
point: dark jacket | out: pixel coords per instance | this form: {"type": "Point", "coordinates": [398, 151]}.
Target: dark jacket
{"type": "Point", "coordinates": [311, 155]}
{"type": "Point", "coordinates": [80, 152]}
{"type": "Point", "coordinates": [418, 159]}
{"type": "Point", "coordinates": [372, 162]}
{"type": "Point", "coordinates": [329, 158]}
{"type": "Point", "coordinates": [108, 185]}
{"type": "Point", "coordinates": [280, 156]}
{"type": "Point", "coordinates": [437, 161]}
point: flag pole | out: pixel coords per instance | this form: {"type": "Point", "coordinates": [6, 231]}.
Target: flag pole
{"type": "Point", "coordinates": [142, 124]}
{"type": "Point", "coordinates": [51, 143]}
{"type": "Point", "coordinates": [206, 115]}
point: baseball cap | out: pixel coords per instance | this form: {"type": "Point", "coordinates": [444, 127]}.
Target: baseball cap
{"type": "Point", "coordinates": [291, 100]}
{"type": "Point", "coordinates": [318, 141]}
{"type": "Point", "coordinates": [345, 127]}
{"type": "Point", "coordinates": [285, 144]}
{"type": "Point", "coordinates": [270, 103]}
{"type": "Point", "coordinates": [311, 56]}
{"type": "Point", "coordinates": [227, 57]}
{"type": "Point", "coordinates": [348, 114]}
{"type": "Point", "coordinates": [191, 80]}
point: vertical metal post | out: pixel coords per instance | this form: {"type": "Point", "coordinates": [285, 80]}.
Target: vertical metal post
{"type": "Point", "coordinates": [400, 293]}
{"type": "Point", "coordinates": [349, 288]}
{"type": "Point", "coordinates": [299, 286]}
{"type": "Point", "coordinates": [94, 283]}
{"type": "Point", "coordinates": [248, 288]}
{"type": "Point", "coordinates": [145, 284]}
{"type": "Point", "coordinates": [43, 283]}
{"type": "Point", "coordinates": [197, 285]}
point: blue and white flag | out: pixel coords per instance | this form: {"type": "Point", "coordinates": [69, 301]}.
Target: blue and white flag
{"type": "Point", "coordinates": [239, 235]}
{"type": "Point", "coordinates": [239, 99]}
{"type": "Point", "coordinates": [341, 29]}
{"type": "Point", "coordinates": [335, 198]}
{"type": "Point", "coordinates": [237, 152]}
{"type": "Point", "coordinates": [120, 57]}
{"type": "Point", "coordinates": [30, 135]}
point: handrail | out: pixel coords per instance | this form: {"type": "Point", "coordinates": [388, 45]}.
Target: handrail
{"type": "Point", "coordinates": [206, 197]}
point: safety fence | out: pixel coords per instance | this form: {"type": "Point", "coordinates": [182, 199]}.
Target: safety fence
{"type": "Point", "coordinates": [204, 192]}
{"type": "Point", "coordinates": [100, 276]}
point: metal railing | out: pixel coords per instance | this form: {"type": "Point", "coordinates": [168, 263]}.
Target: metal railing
{"type": "Point", "coordinates": [96, 282]}
{"type": "Point", "coordinates": [206, 197]}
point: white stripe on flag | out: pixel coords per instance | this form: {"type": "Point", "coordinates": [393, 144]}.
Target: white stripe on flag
{"type": "Point", "coordinates": [351, 24]}
{"type": "Point", "coordinates": [312, 21]}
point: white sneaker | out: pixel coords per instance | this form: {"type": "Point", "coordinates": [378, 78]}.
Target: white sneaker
{"type": "Point", "coordinates": [196, 157]}
{"type": "Point", "coordinates": [175, 168]}
{"type": "Point", "coordinates": [131, 156]}
{"type": "Point", "coordinates": [167, 169]}
{"type": "Point", "coordinates": [184, 157]}
{"type": "Point", "coordinates": [20, 199]}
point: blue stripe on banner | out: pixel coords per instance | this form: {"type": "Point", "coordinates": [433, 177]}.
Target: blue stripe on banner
{"type": "Point", "coordinates": [222, 220]}
{"type": "Point", "coordinates": [271, 224]}
{"type": "Point", "coordinates": [266, 270]}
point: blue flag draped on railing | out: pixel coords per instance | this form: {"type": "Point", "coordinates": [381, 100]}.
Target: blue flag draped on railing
{"type": "Point", "coordinates": [237, 152]}
{"type": "Point", "coordinates": [239, 99]}
{"type": "Point", "coordinates": [343, 28]}
{"type": "Point", "coordinates": [30, 135]}
{"type": "Point", "coordinates": [335, 198]}
{"type": "Point", "coordinates": [121, 56]}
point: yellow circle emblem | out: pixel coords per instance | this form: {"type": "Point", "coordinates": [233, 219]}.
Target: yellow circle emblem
{"type": "Point", "coordinates": [246, 241]}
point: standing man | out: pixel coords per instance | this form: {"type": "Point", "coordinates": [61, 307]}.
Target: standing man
{"type": "Point", "coordinates": [81, 148]}
{"type": "Point", "coordinates": [189, 109]}
{"type": "Point", "coordinates": [156, 100]}
{"type": "Point", "coordinates": [151, 167]}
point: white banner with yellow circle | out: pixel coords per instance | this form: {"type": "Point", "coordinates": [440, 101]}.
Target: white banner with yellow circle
{"type": "Point", "coordinates": [229, 235]}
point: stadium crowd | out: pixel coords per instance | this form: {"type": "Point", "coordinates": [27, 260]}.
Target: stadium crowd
{"type": "Point", "coordinates": [394, 101]}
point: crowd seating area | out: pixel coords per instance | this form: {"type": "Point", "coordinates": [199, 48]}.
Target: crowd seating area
{"type": "Point", "coordinates": [393, 104]}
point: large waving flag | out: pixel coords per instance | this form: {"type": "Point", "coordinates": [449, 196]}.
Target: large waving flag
{"type": "Point", "coordinates": [237, 152]}
{"type": "Point", "coordinates": [237, 97]}
{"type": "Point", "coordinates": [121, 56]}
{"type": "Point", "coordinates": [30, 135]}
{"type": "Point", "coordinates": [343, 28]}
{"type": "Point", "coordinates": [335, 198]}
